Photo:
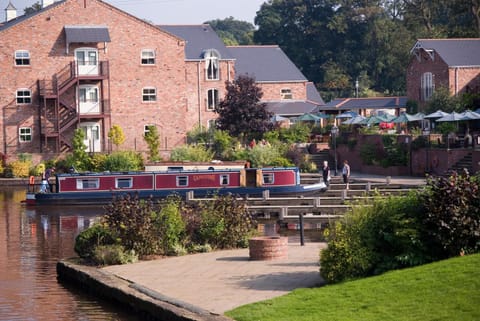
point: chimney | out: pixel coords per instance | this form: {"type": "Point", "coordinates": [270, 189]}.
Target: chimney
{"type": "Point", "coordinates": [46, 3]}
{"type": "Point", "coordinates": [10, 12]}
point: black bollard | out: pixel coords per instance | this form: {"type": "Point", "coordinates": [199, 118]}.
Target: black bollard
{"type": "Point", "coordinates": [302, 232]}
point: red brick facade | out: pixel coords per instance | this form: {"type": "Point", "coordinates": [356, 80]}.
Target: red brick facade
{"type": "Point", "coordinates": [458, 80]}
{"type": "Point", "coordinates": [180, 85]}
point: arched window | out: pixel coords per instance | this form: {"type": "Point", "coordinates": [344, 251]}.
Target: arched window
{"type": "Point", "coordinates": [212, 69]}
{"type": "Point", "coordinates": [427, 86]}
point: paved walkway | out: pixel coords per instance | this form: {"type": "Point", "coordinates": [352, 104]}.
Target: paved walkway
{"type": "Point", "coordinates": [223, 280]}
{"type": "Point", "coordinates": [402, 180]}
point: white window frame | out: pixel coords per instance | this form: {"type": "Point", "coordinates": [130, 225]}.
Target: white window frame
{"type": "Point", "coordinates": [22, 58]}
{"type": "Point", "coordinates": [148, 57]}
{"type": "Point", "coordinates": [25, 134]}
{"type": "Point", "coordinates": [286, 93]}
{"type": "Point", "coordinates": [120, 182]}
{"type": "Point", "coordinates": [427, 86]}
{"type": "Point", "coordinates": [224, 179]}
{"type": "Point", "coordinates": [88, 183]}
{"type": "Point", "coordinates": [268, 178]}
{"type": "Point", "coordinates": [149, 94]}
{"type": "Point", "coordinates": [182, 181]}
{"type": "Point", "coordinates": [211, 123]}
{"type": "Point", "coordinates": [23, 96]}
{"type": "Point", "coordinates": [212, 98]}
{"type": "Point", "coordinates": [212, 64]}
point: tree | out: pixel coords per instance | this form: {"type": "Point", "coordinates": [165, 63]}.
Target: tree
{"type": "Point", "coordinates": [240, 113]}
{"type": "Point", "coordinates": [233, 32]}
{"type": "Point", "coordinates": [34, 8]}
{"type": "Point", "coordinates": [152, 138]}
{"type": "Point", "coordinates": [79, 159]}
{"type": "Point", "coordinates": [116, 135]}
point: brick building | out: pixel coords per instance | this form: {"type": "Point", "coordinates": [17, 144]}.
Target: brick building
{"type": "Point", "coordinates": [449, 63]}
{"type": "Point", "coordinates": [87, 64]}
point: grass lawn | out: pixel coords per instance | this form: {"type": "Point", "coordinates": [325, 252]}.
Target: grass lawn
{"type": "Point", "coordinates": [446, 290]}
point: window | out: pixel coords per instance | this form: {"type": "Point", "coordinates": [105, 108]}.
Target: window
{"type": "Point", "coordinates": [212, 64]}
{"type": "Point", "coordinates": [286, 93]}
{"type": "Point", "coordinates": [124, 182]}
{"type": "Point", "coordinates": [212, 123]}
{"type": "Point", "coordinates": [149, 94]}
{"type": "Point", "coordinates": [147, 129]}
{"type": "Point", "coordinates": [24, 96]}
{"type": "Point", "coordinates": [25, 134]}
{"type": "Point", "coordinates": [22, 58]}
{"type": "Point", "coordinates": [182, 180]}
{"type": "Point", "coordinates": [148, 57]}
{"type": "Point", "coordinates": [224, 179]}
{"type": "Point", "coordinates": [88, 183]}
{"type": "Point", "coordinates": [427, 86]}
{"type": "Point", "coordinates": [268, 178]}
{"type": "Point", "coordinates": [88, 94]}
{"type": "Point", "coordinates": [212, 99]}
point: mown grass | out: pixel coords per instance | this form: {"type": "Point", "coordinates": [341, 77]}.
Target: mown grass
{"type": "Point", "coordinates": [446, 290]}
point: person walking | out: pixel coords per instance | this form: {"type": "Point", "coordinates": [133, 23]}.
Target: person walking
{"type": "Point", "coordinates": [346, 173]}
{"type": "Point", "coordinates": [326, 173]}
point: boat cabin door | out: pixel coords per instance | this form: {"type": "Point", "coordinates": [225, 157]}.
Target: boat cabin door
{"type": "Point", "coordinates": [251, 177]}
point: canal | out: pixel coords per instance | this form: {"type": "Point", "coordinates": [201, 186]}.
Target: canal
{"type": "Point", "coordinates": [32, 240]}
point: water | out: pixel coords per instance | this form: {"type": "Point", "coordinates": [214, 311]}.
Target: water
{"type": "Point", "coordinates": [32, 240]}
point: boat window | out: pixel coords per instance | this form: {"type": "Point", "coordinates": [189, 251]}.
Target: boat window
{"type": "Point", "coordinates": [182, 180]}
{"type": "Point", "coordinates": [124, 182]}
{"type": "Point", "coordinates": [175, 168]}
{"type": "Point", "coordinates": [224, 179]}
{"type": "Point", "coordinates": [267, 178]}
{"type": "Point", "coordinates": [88, 183]}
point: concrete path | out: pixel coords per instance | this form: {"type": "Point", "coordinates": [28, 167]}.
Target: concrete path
{"type": "Point", "coordinates": [223, 280]}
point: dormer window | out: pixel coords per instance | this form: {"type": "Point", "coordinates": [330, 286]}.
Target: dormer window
{"type": "Point", "coordinates": [148, 57]}
{"type": "Point", "coordinates": [22, 58]}
{"type": "Point", "coordinates": [212, 69]}
{"type": "Point", "coordinates": [286, 93]}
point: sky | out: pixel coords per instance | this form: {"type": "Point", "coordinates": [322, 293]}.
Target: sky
{"type": "Point", "coordinates": [171, 11]}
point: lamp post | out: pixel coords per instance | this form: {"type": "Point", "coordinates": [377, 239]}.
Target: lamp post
{"type": "Point", "coordinates": [334, 137]}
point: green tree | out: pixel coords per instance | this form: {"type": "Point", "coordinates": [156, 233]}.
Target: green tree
{"type": "Point", "coordinates": [233, 32]}
{"type": "Point", "coordinates": [152, 138]}
{"type": "Point", "coordinates": [240, 113]}
{"type": "Point", "coordinates": [79, 158]}
{"type": "Point", "coordinates": [116, 135]}
{"type": "Point", "coordinates": [33, 8]}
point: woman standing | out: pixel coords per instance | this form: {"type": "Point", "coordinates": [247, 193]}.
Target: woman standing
{"type": "Point", "coordinates": [346, 173]}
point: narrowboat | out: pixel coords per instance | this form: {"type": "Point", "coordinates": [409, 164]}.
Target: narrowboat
{"type": "Point", "coordinates": [101, 188]}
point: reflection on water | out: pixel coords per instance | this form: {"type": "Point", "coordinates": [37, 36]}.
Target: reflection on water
{"type": "Point", "coordinates": [32, 240]}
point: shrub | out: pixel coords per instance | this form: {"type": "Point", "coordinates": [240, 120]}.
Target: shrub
{"type": "Point", "coordinates": [226, 222]}
{"type": "Point", "coordinates": [261, 156]}
{"type": "Point", "coordinates": [193, 153]}
{"type": "Point", "coordinates": [89, 239]}
{"type": "Point", "coordinates": [169, 225]}
{"type": "Point", "coordinates": [373, 239]}
{"type": "Point", "coordinates": [123, 161]}
{"type": "Point", "coordinates": [451, 221]}
{"type": "Point", "coordinates": [19, 168]}
{"type": "Point", "coordinates": [131, 220]}
{"type": "Point", "coordinates": [113, 254]}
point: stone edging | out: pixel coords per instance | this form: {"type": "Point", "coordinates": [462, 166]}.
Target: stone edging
{"type": "Point", "coordinates": [151, 304]}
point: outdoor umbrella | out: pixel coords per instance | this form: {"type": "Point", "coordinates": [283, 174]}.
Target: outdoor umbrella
{"type": "Point", "coordinates": [354, 120]}
{"type": "Point", "coordinates": [322, 115]}
{"type": "Point", "coordinates": [372, 120]}
{"type": "Point", "coordinates": [308, 117]}
{"type": "Point", "coordinates": [418, 116]}
{"type": "Point", "coordinates": [347, 114]}
{"type": "Point", "coordinates": [437, 114]}
{"type": "Point", "coordinates": [404, 118]}
{"type": "Point", "coordinates": [470, 115]}
{"type": "Point", "coordinates": [452, 117]}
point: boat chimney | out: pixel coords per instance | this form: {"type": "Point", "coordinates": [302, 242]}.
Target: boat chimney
{"type": "Point", "coordinates": [10, 12]}
{"type": "Point", "coordinates": [46, 3]}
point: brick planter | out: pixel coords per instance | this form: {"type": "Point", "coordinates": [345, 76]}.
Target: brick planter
{"type": "Point", "coordinates": [268, 248]}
